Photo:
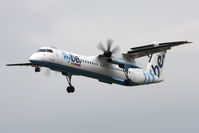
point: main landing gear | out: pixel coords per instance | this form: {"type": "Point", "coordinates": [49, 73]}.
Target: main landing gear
{"type": "Point", "coordinates": [70, 88]}
{"type": "Point", "coordinates": [127, 81]}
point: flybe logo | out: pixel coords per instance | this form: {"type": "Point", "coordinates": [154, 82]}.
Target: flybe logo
{"type": "Point", "coordinates": [158, 67]}
{"type": "Point", "coordinates": [71, 59]}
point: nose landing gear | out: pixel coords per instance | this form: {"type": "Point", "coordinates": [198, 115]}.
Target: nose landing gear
{"type": "Point", "coordinates": [37, 69]}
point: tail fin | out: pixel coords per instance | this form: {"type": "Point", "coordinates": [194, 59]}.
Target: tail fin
{"type": "Point", "coordinates": [156, 63]}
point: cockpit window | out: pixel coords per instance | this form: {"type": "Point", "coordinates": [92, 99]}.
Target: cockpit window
{"type": "Point", "coordinates": [42, 50]}
{"type": "Point", "coordinates": [49, 50]}
{"type": "Point", "coordinates": [45, 50]}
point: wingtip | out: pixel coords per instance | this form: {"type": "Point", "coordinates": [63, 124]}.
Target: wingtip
{"type": "Point", "coordinates": [188, 42]}
{"type": "Point", "coordinates": [9, 65]}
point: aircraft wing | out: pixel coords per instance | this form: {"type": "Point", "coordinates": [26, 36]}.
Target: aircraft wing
{"type": "Point", "coordinates": [22, 64]}
{"type": "Point", "coordinates": [122, 64]}
{"type": "Point", "coordinates": [147, 50]}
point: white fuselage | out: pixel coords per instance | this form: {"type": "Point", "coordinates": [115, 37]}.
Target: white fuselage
{"type": "Point", "coordinates": [91, 66]}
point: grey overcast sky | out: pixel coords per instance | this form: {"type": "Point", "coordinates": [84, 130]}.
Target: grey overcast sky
{"type": "Point", "coordinates": [31, 102]}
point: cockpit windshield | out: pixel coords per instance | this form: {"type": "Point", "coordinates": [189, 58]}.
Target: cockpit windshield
{"type": "Point", "coordinates": [45, 50]}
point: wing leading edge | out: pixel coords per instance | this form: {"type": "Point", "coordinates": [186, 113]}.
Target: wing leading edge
{"type": "Point", "coordinates": [21, 64]}
{"type": "Point", "coordinates": [146, 50]}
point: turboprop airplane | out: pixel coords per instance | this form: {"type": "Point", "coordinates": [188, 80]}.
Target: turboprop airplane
{"type": "Point", "coordinates": [120, 69]}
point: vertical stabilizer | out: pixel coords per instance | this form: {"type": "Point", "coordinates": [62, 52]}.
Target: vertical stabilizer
{"type": "Point", "coordinates": [156, 63]}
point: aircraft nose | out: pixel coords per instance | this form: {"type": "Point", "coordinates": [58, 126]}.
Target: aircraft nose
{"type": "Point", "coordinates": [34, 57]}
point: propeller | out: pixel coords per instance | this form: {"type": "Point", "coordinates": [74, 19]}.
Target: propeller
{"type": "Point", "coordinates": [108, 52]}
{"type": "Point", "coordinates": [48, 72]}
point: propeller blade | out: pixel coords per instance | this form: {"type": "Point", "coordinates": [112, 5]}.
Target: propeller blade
{"type": "Point", "coordinates": [101, 47]}
{"type": "Point", "coordinates": [47, 72]}
{"type": "Point", "coordinates": [109, 44]}
{"type": "Point", "coordinates": [108, 52]}
{"type": "Point", "coordinates": [116, 49]}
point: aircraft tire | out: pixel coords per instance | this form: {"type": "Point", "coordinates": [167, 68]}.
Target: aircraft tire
{"type": "Point", "coordinates": [126, 82]}
{"type": "Point", "coordinates": [37, 69]}
{"type": "Point", "coordinates": [70, 89]}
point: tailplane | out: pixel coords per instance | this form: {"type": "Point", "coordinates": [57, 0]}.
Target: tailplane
{"type": "Point", "coordinates": [156, 53]}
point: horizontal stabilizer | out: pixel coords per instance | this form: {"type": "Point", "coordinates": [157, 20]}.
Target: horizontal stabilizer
{"type": "Point", "coordinates": [146, 50]}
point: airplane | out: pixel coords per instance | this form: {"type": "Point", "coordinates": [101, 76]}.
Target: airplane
{"type": "Point", "coordinates": [107, 67]}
